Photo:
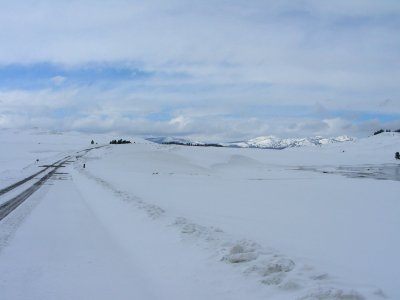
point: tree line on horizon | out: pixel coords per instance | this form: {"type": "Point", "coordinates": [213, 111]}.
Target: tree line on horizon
{"type": "Point", "coordinates": [120, 141]}
{"type": "Point", "coordinates": [386, 130]}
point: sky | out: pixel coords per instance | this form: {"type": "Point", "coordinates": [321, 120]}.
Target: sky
{"type": "Point", "coordinates": [210, 70]}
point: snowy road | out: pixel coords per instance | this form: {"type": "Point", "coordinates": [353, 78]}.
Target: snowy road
{"type": "Point", "coordinates": [7, 207]}
{"type": "Point", "coordinates": [18, 183]}
{"type": "Point", "coordinates": [70, 256]}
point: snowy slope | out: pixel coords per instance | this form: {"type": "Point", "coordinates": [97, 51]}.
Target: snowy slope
{"type": "Point", "coordinates": [216, 223]}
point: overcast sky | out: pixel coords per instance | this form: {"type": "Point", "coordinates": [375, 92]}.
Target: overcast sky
{"type": "Point", "coordinates": [212, 70]}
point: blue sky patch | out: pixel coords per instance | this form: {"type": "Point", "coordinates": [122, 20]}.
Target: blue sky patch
{"type": "Point", "coordinates": [46, 75]}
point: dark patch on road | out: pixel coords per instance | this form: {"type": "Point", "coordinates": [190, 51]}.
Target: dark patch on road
{"type": "Point", "coordinates": [7, 207]}
{"type": "Point", "coordinates": [18, 183]}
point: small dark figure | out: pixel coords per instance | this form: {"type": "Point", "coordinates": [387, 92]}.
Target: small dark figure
{"type": "Point", "coordinates": [397, 155]}
{"type": "Point", "coordinates": [37, 160]}
{"type": "Point", "coordinates": [84, 165]}
{"type": "Point", "coordinates": [92, 142]}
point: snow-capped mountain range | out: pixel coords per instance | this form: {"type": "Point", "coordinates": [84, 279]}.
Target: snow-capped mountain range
{"type": "Point", "coordinates": [264, 142]}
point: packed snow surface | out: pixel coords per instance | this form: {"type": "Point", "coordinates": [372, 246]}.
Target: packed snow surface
{"type": "Point", "coordinates": [150, 221]}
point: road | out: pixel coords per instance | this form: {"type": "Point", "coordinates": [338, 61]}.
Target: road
{"type": "Point", "coordinates": [7, 207]}
{"type": "Point", "coordinates": [62, 251]}
{"type": "Point", "coordinates": [26, 179]}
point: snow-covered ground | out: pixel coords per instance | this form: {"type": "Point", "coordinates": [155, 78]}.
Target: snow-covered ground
{"type": "Point", "coordinates": [149, 221]}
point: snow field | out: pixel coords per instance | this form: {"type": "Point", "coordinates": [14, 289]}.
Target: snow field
{"type": "Point", "coordinates": [174, 269]}
{"type": "Point", "coordinates": [150, 221]}
{"type": "Point", "coordinates": [269, 267]}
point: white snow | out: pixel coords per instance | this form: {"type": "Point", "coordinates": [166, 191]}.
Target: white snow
{"type": "Point", "coordinates": [149, 221]}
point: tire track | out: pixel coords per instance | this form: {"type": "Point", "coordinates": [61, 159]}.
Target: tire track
{"type": "Point", "coordinates": [7, 207]}
{"type": "Point", "coordinates": [46, 167]}
{"type": "Point", "coordinates": [18, 183]}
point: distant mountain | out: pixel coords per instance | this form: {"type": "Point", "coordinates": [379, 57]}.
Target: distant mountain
{"type": "Point", "coordinates": [264, 142]}
{"type": "Point", "coordinates": [272, 142]}
{"type": "Point", "coordinates": [180, 141]}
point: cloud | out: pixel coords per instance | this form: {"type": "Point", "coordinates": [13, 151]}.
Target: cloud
{"type": "Point", "coordinates": [200, 68]}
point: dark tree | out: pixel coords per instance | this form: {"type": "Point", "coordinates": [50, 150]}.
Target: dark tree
{"type": "Point", "coordinates": [120, 141]}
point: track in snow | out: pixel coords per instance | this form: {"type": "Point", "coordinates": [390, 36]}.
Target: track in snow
{"type": "Point", "coordinates": [7, 207]}
{"type": "Point", "coordinates": [18, 183]}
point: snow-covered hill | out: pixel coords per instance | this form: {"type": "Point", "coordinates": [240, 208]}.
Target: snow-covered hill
{"type": "Point", "coordinates": [264, 142]}
{"type": "Point", "coordinates": [272, 142]}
